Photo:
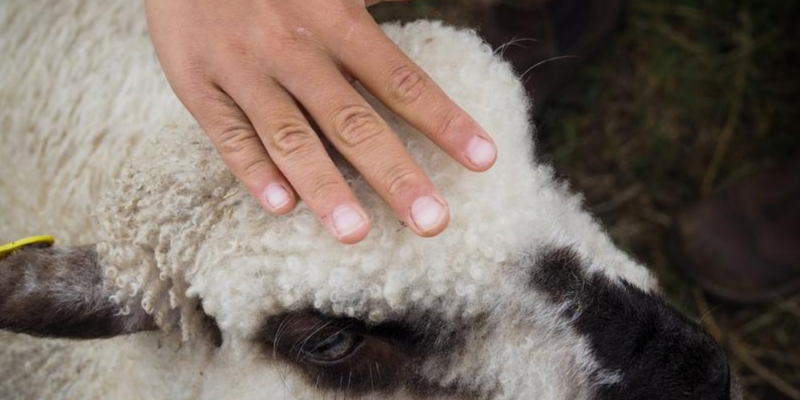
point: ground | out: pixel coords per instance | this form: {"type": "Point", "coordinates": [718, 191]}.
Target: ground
{"type": "Point", "coordinates": [686, 97]}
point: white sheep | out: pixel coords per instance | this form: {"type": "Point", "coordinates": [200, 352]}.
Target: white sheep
{"type": "Point", "coordinates": [523, 296]}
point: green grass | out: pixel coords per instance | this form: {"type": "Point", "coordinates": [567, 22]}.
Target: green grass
{"type": "Point", "coordinates": [687, 97]}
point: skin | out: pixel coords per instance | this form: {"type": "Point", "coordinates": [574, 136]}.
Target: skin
{"type": "Point", "coordinates": [255, 72]}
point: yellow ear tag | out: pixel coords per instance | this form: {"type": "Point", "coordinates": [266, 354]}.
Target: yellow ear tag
{"type": "Point", "coordinates": [9, 248]}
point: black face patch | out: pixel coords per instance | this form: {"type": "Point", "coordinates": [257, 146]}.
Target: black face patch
{"type": "Point", "coordinates": [58, 292]}
{"type": "Point", "coordinates": [345, 355]}
{"type": "Point", "coordinates": [657, 353]}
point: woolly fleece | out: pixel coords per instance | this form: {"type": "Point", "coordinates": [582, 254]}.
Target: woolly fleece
{"type": "Point", "coordinates": [82, 95]}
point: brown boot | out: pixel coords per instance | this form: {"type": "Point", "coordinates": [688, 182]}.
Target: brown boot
{"type": "Point", "coordinates": [547, 40]}
{"type": "Point", "coordinates": [743, 244]}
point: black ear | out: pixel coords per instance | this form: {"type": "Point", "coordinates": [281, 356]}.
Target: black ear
{"type": "Point", "coordinates": [59, 292]}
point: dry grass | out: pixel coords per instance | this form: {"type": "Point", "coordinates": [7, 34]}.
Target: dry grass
{"type": "Point", "coordinates": [688, 96]}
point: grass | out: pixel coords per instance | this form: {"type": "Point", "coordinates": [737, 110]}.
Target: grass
{"type": "Point", "coordinates": [688, 96]}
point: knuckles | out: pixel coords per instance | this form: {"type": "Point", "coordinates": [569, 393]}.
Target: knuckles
{"type": "Point", "coordinates": [400, 180]}
{"type": "Point", "coordinates": [324, 185]}
{"type": "Point", "coordinates": [275, 44]}
{"type": "Point", "coordinates": [406, 84]}
{"type": "Point", "coordinates": [452, 119]}
{"type": "Point", "coordinates": [235, 139]}
{"type": "Point", "coordinates": [255, 166]}
{"type": "Point", "coordinates": [356, 124]}
{"type": "Point", "coordinates": [291, 136]}
{"type": "Point", "coordinates": [240, 146]}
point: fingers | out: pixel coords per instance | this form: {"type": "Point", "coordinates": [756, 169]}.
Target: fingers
{"type": "Point", "coordinates": [357, 131]}
{"type": "Point", "coordinates": [373, 59]}
{"type": "Point", "coordinates": [239, 68]}
{"type": "Point", "coordinates": [298, 152]}
{"type": "Point", "coordinates": [240, 147]}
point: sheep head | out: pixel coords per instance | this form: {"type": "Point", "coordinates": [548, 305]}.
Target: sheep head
{"type": "Point", "coordinates": [524, 296]}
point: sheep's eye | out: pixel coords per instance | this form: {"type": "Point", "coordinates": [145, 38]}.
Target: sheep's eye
{"type": "Point", "coordinates": [331, 347]}
{"type": "Point", "coordinates": [333, 351]}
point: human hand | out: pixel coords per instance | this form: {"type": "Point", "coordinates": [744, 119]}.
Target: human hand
{"type": "Point", "coordinates": [247, 69]}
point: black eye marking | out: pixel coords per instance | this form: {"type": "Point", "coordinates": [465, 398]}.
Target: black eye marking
{"type": "Point", "coordinates": [346, 355]}
{"type": "Point", "coordinates": [658, 352]}
{"type": "Point", "coordinates": [339, 353]}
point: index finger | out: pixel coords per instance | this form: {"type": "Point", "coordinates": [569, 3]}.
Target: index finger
{"type": "Point", "coordinates": [372, 58]}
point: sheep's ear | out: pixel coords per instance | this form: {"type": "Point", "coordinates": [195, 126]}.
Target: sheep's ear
{"type": "Point", "coordinates": [58, 292]}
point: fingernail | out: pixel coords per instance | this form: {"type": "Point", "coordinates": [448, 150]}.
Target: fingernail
{"type": "Point", "coordinates": [480, 152]}
{"type": "Point", "coordinates": [428, 213]}
{"type": "Point", "coordinates": [346, 221]}
{"type": "Point", "coordinates": [277, 196]}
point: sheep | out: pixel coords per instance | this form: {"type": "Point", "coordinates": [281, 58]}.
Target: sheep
{"type": "Point", "coordinates": [181, 287]}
